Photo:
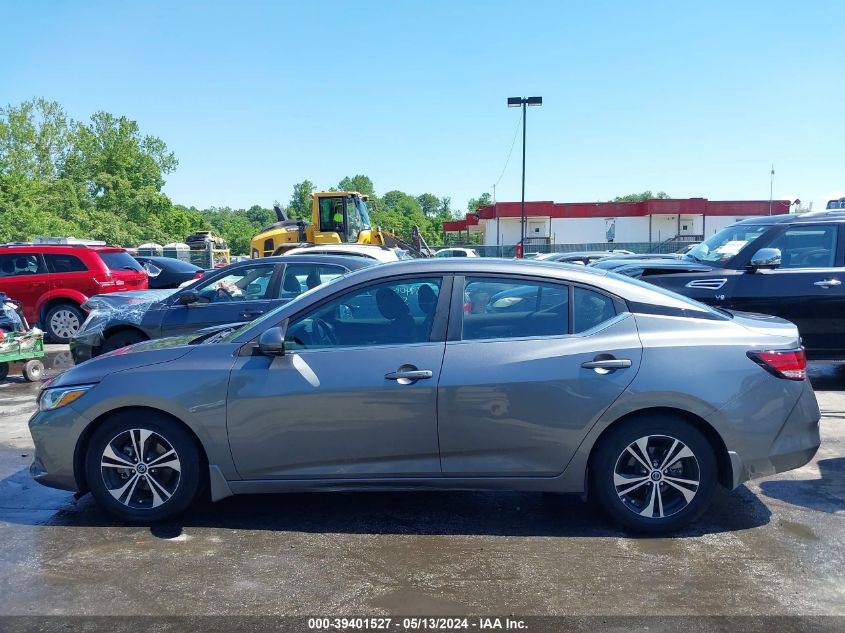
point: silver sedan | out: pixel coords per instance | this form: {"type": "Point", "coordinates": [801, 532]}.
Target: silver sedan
{"type": "Point", "coordinates": [444, 374]}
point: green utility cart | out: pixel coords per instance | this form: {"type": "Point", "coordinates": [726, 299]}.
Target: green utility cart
{"type": "Point", "coordinates": [22, 347]}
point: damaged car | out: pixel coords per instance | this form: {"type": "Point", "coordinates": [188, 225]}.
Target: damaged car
{"type": "Point", "coordinates": [238, 293]}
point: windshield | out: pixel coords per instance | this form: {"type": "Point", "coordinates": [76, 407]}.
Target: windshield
{"type": "Point", "coordinates": [357, 218]}
{"type": "Point", "coordinates": [726, 244]}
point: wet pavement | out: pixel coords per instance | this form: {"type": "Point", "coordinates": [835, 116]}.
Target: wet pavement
{"type": "Point", "coordinates": [773, 547]}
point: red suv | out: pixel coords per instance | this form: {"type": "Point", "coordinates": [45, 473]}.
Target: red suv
{"type": "Point", "coordinates": [52, 278]}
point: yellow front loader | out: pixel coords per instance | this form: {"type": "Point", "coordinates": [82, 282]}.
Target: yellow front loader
{"type": "Point", "coordinates": [338, 217]}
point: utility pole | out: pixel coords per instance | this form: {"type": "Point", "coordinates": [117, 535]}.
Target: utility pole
{"type": "Point", "coordinates": [771, 187]}
{"type": "Point", "coordinates": [515, 102]}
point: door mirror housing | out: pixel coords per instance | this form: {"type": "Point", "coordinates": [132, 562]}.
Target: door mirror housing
{"type": "Point", "coordinates": [188, 297]}
{"type": "Point", "coordinates": [272, 341]}
{"type": "Point", "coordinates": [765, 258]}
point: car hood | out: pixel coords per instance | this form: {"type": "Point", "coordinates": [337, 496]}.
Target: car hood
{"type": "Point", "coordinates": [139, 355]}
{"type": "Point", "coordinates": [120, 307]}
{"type": "Point", "coordinates": [667, 265]}
{"type": "Point", "coordinates": [132, 297]}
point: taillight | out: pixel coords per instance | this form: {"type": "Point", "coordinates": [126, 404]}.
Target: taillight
{"type": "Point", "coordinates": [783, 363]}
{"type": "Point", "coordinates": [199, 275]}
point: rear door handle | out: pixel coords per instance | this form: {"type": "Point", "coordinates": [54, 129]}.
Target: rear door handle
{"type": "Point", "coordinates": [828, 283]}
{"type": "Point", "coordinates": [611, 363]}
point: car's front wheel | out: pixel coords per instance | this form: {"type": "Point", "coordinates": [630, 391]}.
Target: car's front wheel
{"type": "Point", "coordinates": [143, 467]}
{"type": "Point", "coordinates": [653, 474]}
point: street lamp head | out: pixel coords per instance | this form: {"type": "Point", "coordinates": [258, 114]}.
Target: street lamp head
{"type": "Point", "coordinates": [534, 101]}
{"type": "Point", "coordinates": [514, 102]}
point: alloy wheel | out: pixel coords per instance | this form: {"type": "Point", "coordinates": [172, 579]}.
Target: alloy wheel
{"type": "Point", "coordinates": [140, 469]}
{"type": "Point", "coordinates": [64, 323]}
{"type": "Point", "coordinates": [656, 476]}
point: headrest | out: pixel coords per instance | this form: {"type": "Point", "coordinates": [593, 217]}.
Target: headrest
{"type": "Point", "coordinates": [390, 304]}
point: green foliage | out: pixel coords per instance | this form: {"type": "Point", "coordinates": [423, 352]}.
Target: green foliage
{"type": "Point", "coordinates": [361, 184]}
{"type": "Point", "coordinates": [103, 179]}
{"type": "Point", "coordinates": [481, 201]}
{"type": "Point", "coordinates": [642, 197]}
{"type": "Point", "coordinates": [300, 202]}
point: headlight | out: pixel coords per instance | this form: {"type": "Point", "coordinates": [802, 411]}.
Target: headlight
{"type": "Point", "coordinates": [60, 396]}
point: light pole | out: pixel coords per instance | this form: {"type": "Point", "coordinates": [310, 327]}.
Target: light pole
{"type": "Point", "coordinates": [515, 102]}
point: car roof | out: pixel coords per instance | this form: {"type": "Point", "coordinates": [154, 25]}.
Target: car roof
{"type": "Point", "coordinates": [372, 251]}
{"type": "Point", "coordinates": [795, 218]}
{"type": "Point", "coordinates": [176, 263]}
{"type": "Point", "coordinates": [348, 261]}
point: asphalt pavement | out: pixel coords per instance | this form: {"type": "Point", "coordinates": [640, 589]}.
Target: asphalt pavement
{"type": "Point", "coordinates": [771, 548]}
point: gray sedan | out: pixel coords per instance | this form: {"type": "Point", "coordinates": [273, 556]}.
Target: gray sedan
{"type": "Point", "coordinates": [444, 374]}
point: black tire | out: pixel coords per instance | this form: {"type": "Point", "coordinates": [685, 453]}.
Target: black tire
{"type": "Point", "coordinates": [612, 463]}
{"type": "Point", "coordinates": [33, 370]}
{"type": "Point", "coordinates": [4, 370]}
{"type": "Point", "coordinates": [120, 339]}
{"type": "Point", "coordinates": [62, 322]}
{"type": "Point", "coordinates": [176, 490]}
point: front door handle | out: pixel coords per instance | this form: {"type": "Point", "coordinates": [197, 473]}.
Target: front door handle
{"type": "Point", "coordinates": [828, 283]}
{"type": "Point", "coordinates": [251, 314]}
{"type": "Point", "coordinates": [408, 375]}
{"type": "Point", "coordinates": [412, 374]}
{"type": "Point", "coordinates": [612, 363]}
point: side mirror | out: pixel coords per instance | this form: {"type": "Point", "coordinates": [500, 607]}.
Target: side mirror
{"type": "Point", "coordinates": [272, 341]}
{"type": "Point", "coordinates": [188, 297]}
{"type": "Point", "coordinates": [765, 258]}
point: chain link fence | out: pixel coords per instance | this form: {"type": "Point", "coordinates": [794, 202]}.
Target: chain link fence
{"type": "Point", "coordinates": [672, 246]}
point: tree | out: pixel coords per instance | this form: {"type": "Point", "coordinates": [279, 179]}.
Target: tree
{"type": "Point", "coordinates": [361, 184]}
{"type": "Point", "coordinates": [642, 197]}
{"type": "Point", "coordinates": [481, 201]}
{"type": "Point", "coordinates": [429, 203]}
{"type": "Point", "coordinates": [300, 202]}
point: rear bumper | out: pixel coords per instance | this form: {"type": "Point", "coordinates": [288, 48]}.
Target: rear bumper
{"type": "Point", "coordinates": [794, 445]}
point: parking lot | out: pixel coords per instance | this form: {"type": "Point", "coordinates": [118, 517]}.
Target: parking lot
{"type": "Point", "coordinates": [773, 547]}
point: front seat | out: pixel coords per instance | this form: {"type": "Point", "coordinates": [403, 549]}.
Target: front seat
{"type": "Point", "coordinates": [313, 280]}
{"type": "Point", "coordinates": [291, 286]}
{"type": "Point", "coordinates": [392, 308]}
{"type": "Point", "coordinates": [427, 300]}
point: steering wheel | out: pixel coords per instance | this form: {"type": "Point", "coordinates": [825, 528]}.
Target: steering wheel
{"type": "Point", "coordinates": [323, 332]}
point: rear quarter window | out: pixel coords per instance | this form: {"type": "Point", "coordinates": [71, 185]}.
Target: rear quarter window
{"type": "Point", "coordinates": [119, 260]}
{"type": "Point", "coordinates": [65, 264]}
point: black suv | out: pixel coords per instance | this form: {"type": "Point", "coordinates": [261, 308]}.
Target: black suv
{"type": "Point", "coordinates": [791, 266]}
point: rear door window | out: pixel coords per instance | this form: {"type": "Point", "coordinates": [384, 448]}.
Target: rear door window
{"type": "Point", "coordinates": [591, 309]}
{"type": "Point", "coordinates": [514, 308]}
{"type": "Point", "coordinates": [300, 278]}
{"type": "Point", "coordinates": [65, 263]}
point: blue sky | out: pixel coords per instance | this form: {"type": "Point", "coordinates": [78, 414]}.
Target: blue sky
{"type": "Point", "coordinates": [696, 99]}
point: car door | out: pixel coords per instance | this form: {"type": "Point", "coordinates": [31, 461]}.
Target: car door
{"type": "Point", "coordinates": [525, 376]}
{"type": "Point", "coordinates": [228, 296]}
{"type": "Point", "coordinates": [24, 278]}
{"type": "Point", "coordinates": [354, 396]}
{"type": "Point", "coordinates": [807, 288]}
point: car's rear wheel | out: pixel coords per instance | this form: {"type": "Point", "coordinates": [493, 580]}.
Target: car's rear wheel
{"type": "Point", "coordinates": [121, 339]}
{"type": "Point", "coordinates": [143, 467]}
{"type": "Point", "coordinates": [62, 322]}
{"type": "Point", "coordinates": [653, 474]}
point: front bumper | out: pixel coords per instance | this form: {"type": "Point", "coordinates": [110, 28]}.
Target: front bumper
{"type": "Point", "coordinates": [794, 445]}
{"type": "Point", "coordinates": [56, 434]}
{"type": "Point", "coordinates": [85, 346]}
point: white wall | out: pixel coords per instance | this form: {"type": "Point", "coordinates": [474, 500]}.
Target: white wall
{"type": "Point", "coordinates": [584, 230]}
